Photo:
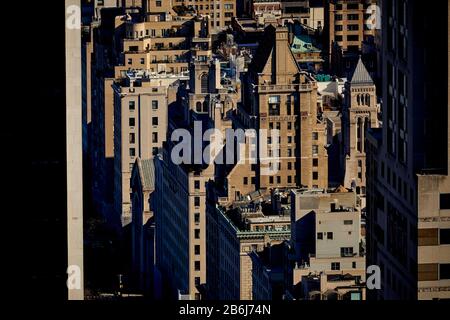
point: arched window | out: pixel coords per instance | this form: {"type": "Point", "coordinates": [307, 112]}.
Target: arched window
{"type": "Point", "coordinates": [198, 106]}
{"type": "Point", "coordinates": [367, 100]}
{"type": "Point", "coordinates": [358, 99]}
{"type": "Point", "coordinates": [204, 83]}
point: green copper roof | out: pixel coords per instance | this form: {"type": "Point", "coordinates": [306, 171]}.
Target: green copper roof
{"type": "Point", "coordinates": [303, 44]}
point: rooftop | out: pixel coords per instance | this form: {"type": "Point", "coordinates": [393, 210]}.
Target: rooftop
{"type": "Point", "coordinates": [303, 43]}
{"type": "Point", "coordinates": [361, 75]}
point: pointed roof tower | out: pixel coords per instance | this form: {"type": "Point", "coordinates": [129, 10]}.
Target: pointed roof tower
{"type": "Point", "coordinates": [361, 75]}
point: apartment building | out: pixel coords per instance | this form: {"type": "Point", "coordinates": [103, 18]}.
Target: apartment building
{"type": "Point", "coordinates": [219, 12]}
{"type": "Point", "coordinates": [281, 97]}
{"type": "Point", "coordinates": [327, 234]}
{"type": "Point", "coordinates": [180, 209]}
{"type": "Point", "coordinates": [100, 53]}
{"type": "Point", "coordinates": [408, 164]}
{"type": "Point", "coordinates": [346, 28]}
{"type": "Point", "coordinates": [321, 286]}
{"type": "Point", "coordinates": [140, 128]}
{"type": "Point", "coordinates": [245, 250]}
{"type": "Point", "coordinates": [159, 44]}
{"type": "Point", "coordinates": [181, 226]}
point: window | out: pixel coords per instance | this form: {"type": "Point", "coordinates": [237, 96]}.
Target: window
{"type": "Point", "coordinates": [198, 106]}
{"type": "Point", "coordinates": [245, 181]}
{"type": "Point", "coordinates": [132, 152]}
{"type": "Point", "coordinates": [444, 201]}
{"type": "Point", "coordinates": [289, 165]}
{"type": "Point", "coordinates": [274, 105]}
{"type": "Point", "coordinates": [335, 266]}
{"type": "Point", "coordinates": [315, 176]}
{"type": "Point", "coordinates": [444, 271]}
{"type": "Point", "coordinates": [289, 179]}
{"type": "Point", "coordinates": [352, 27]}
{"type": "Point", "coordinates": [197, 282]}
{"type": "Point", "coordinates": [204, 83]}
{"type": "Point", "coordinates": [338, 17]}
{"type": "Point", "coordinates": [315, 162]}
{"type": "Point", "coordinates": [444, 236]}
{"type": "Point", "coordinates": [278, 179]}
{"type": "Point", "coordinates": [197, 218]}
{"type": "Point", "coordinates": [338, 38]}
{"type": "Point", "coordinates": [315, 136]}
{"type": "Point", "coordinates": [319, 236]}
{"type": "Point", "coordinates": [315, 150]}
{"type": "Point", "coordinates": [142, 60]}
{"type": "Point", "coordinates": [197, 250]}
{"type": "Point", "coordinates": [155, 104]}
{"type": "Point", "coordinates": [155, 150]}
{"type": "Point", "coordinates": [428, 271]}
{"type": "Point", "coordinates": [348, 222]}
{"type": "Point", "coordinates": [353, 37]}
{"type": "Point", "coordinates": [130, 61]}
{"type": "Point", "coordinates": [428, 237]}
{"type": "Point", "coordinates": [347, 252]}
{"type": "Point", "coordinates": [289, 152]}
{"type": "Point", "coordinates": [155, 121]}
{"type": "Point", "coordinates": [338, 27]}
{"type": "Point", "coordinates": [132, 138]}
{"type": "Point", "coordinates": [271, 179]}
{"type": "Point", "coordinates": [131, 122]}
{"type": "Point", "coordinates": [330, 235]}
{"type": "Point", "coordinates": [197, 233]}
{"type": "Point", "coordinates": [155, 137]}
{"type": "Point", "coordinates": [196, 184]}
{"type": "Point", "coordinates": [288, 105]}
{"type": "Point", "coordinates": [132, 105]}
{"type": "Point", "coordinates": [158, 3]}
{"type": "Point", "coordinates": [197, 201]}
{"type": "Point", "coordinates": [197, 265]}
{"type": "Point", "coordinates": [352, 6]}
{"type": "Point", "coordinates": [289, 126]}
{"type": "Point", "coordinates": [354, 264]}
{"type": "Point", "coordinates": [353, 17]}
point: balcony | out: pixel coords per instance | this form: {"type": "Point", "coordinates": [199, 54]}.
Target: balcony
{"type": "Point", "coordinates": [173, 60]}
{"type": "Point", "coordinates": [285, 88]}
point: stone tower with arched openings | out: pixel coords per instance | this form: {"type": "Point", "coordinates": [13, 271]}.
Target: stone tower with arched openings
{"type": "Point", "coordinates": [360, 112]}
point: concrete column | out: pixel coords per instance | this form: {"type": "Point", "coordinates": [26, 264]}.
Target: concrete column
{"type": "Point", "coordinates": [75, 281]}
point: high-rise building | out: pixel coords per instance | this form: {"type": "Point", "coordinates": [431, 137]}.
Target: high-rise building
{"type": "Point", "coordinates": [408, 190]}
{"type": "Point", "coordinates": [281, 97]}
{"type": "Point", "coordinates": [220, 12]}
{"type": "Point", "coordinates": [140, 128]}
{"type": "Point", "coordinates": [327, 234]}
{"type": "Point", "coordinates": [180, 193]}
{"type": "Point", "coordinates": [346, 28]}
